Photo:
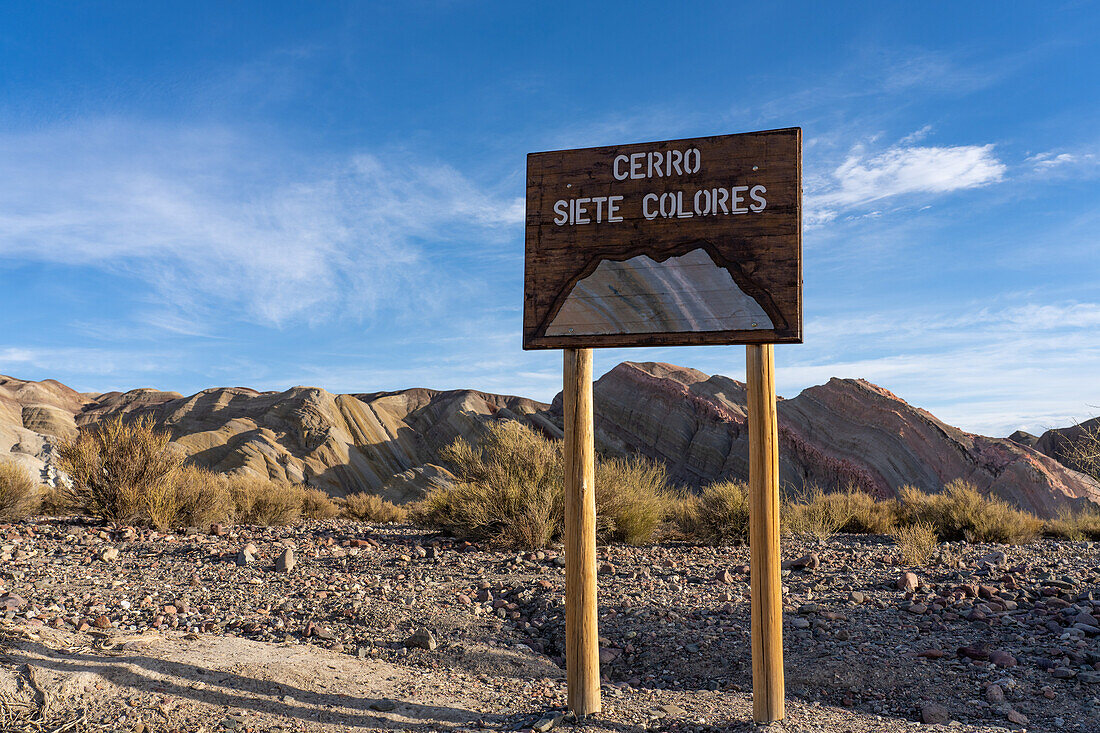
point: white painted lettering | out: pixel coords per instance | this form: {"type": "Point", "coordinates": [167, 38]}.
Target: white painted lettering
{"type": "Point", "coordinates": [636, 165]}
{"type": "Point", "coordinates": [680, 207]}
{"type": "Point", "coordinates": [655, 160]}
{"type": "Point", "coordinates": [581, 211]}
{"type": "Point", "coordinates": [612, 207]}
{"type": "Point", "coordinates": [562, 214]}
{"type": "Point", "coordinates": [688, 166]}
{"type": "Point", "coordinates": [705, 208]}
{"type": "Point", "coordinates": [599, 202]}
{"type": "Point", "coordinates": [671, 210]}
{"type": "Point", "coordinates": [674, 158]}
{"type": "Point", "coordinates": [721, 196]}
{"type": "Point", "coordinates": [761, 202]}
{"type": "Point", "coordinates": [735, 207]}
{"type": "Point", "coordinates": [620, 176]}
{"type": "Point", "coordinates": [645, 205]}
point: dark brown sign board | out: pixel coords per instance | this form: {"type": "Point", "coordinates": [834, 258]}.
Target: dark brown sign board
{"type": "Point", "coordinates": [679, 242]}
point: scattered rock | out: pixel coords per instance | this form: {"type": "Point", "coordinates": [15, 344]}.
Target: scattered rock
{"type": "Point", "coordinates": [286, 561]}
{"type": "Point", "coordinates": [108, 554]}
{"type": "Point", "coordinates": [421, 639]}
{"type": "Point", "coordinates": [933, 714]}
{"type": "Point", "coordinates": [908, 582]}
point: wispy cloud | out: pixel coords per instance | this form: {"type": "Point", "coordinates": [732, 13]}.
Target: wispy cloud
{"type": "Point", "coordinates": [864, 178]}
{"type": "Point", "coordinates": [216, 224]}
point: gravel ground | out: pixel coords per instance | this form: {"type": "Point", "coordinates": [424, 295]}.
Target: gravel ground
{"type": "Point", "coordinates": [124, 629]}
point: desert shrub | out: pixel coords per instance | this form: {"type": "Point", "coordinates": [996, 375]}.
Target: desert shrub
{"type": "Point", "coordinates": [316, 504]}
{"type": "Point", "coordinates": [823, 514]}
{"type": "Point", "coordinates": [120, 471]}
{"type": "Point", "coordinates": [815, 513]}
{"type": "Point", "coordinates": [202, 498]}
{"type": "Point", "coordinates": [632, 499]}
{"type": "Point", "coordinates": [20, 495]}
{"type": "Point", "coordinates": [718, 515]}
{"type": "Point", "coordinates": [263, 501]}
{"type": "Point", "coordinates": [917, 542]}
{"type": "Point", "coordinates": [1083, 524]}
{"type": "Point", "coordinates": [367, 507]}
{"type": "Point", "coordinates": [961, 512]}
{"type": "Point", "coordinates": [508, 489]}
{"type": "Point", "coordinates": [54, 501]}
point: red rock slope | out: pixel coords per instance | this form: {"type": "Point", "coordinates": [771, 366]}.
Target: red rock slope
{"type": "Point", "coordinates": [847, 431]}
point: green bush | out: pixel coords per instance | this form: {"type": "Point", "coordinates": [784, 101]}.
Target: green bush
{"type": "Point", "coordinates": [1083, 524]}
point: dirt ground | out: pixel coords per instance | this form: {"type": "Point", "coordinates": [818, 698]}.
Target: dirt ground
{"type": "Point", "coordinates": [183, 633]}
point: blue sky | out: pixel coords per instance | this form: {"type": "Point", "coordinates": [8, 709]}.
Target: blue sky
{"type": "Point", "coordinates": [270, 194]}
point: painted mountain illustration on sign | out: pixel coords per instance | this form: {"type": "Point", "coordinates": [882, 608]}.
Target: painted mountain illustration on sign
{"type": "Point", "coordinates": [640, 295]}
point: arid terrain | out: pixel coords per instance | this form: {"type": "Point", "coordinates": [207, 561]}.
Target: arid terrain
{"type": "Point", "coordinates": [385, 627]}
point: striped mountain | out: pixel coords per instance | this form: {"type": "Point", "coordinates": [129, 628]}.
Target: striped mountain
{"type": "Point", "coordinates": [846, 432]}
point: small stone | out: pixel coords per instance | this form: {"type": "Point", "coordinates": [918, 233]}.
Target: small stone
{"type": "Point", "coordinates": [217, 530]}
{"type": "Point", "coordinates": [286, 561]}
{"type": "Point", "coordinates": [800, 623]}
{"type": "Point", "coordinates": [422, 639]}
{"type": "Point", "coordinates": [979, 653]}
{"type": "Point", "coordinates": [102, 622]}
{"type": "Point", "coordinates": [1089, 678]}
{"type": "Point", "coordinates": [11, 602]}
{"type": "Point", "coordinates": [1002, 659]}
{"type": "Point", "coordinates": [1016, 717]}
{"type": "Point", "coordinates": [671, 709]}
{"type": "Point", "coordinates": [856, 597]}
{"type": "Point", "coordinates": [548, 722]}
{"type": "Point", "coordinates": [994, 695]}
{"type": "Point", "coordinates": [908, 582]}
{"type": "Point", "coordinates": [1063, 673]}
{"type": "Point", "coordinates": [933, 714]}
{"type": "Point", "coordinates": [724, 576]}
{"type": "Point", "coordinates": [917, 608]}
{"type": "Point", "coordinates": [108, 554]}
{"type": "Point", "coordinates": [383, 705]}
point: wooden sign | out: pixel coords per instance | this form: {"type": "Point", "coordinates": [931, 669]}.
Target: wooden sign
{"type": "Point", "coordinates": [679, 242]}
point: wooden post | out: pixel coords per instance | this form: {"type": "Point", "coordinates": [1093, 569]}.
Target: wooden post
{"type": "Point", "coordinates": [582, 652]}
{"type": "Point", "coordinates": [767, 602]}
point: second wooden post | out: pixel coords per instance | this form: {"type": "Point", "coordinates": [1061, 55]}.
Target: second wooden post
{"type": "Point", "coordinates": [582, 651]}
{"type": "Point", "coordinates": [766, 590]}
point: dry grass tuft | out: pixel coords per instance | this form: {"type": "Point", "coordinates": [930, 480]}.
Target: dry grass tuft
{"type": "Point", "coordinates": [719, 515]}
{"type": "Point", "coordinates": [632, 499]}
{"type": "Point", "coordinates": [917, 542]}
{"type": "Point", "coordinates": [316, 504]}
{"type": "Point", "coordinates": [366, 507]}
{"type": "Point", "coordinates": [120, 471]}
{"type": "Point", "coordinates": [960, 512]}
{"type": "Point", "coordinates": [264, 502]}
{"type": "Point", "coordinates": [202, 498]}
{"type": "Point", "coordinates": [1078, 526]}
{"type": "Point", "coordinates": [510, 492]}
{"type": "Point", "coordinates": [823, 514]}
{"type": "Point", "coordinates": [20, 494]}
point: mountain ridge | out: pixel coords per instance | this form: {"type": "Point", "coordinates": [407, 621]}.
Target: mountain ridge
{"type": "Point", "coordinates": [846, 432]}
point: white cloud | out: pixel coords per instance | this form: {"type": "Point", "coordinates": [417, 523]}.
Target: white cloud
{"type": "Point", "coordinates": [218, 223]}
{"type": "Point", "coordinates": [905, 170]}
